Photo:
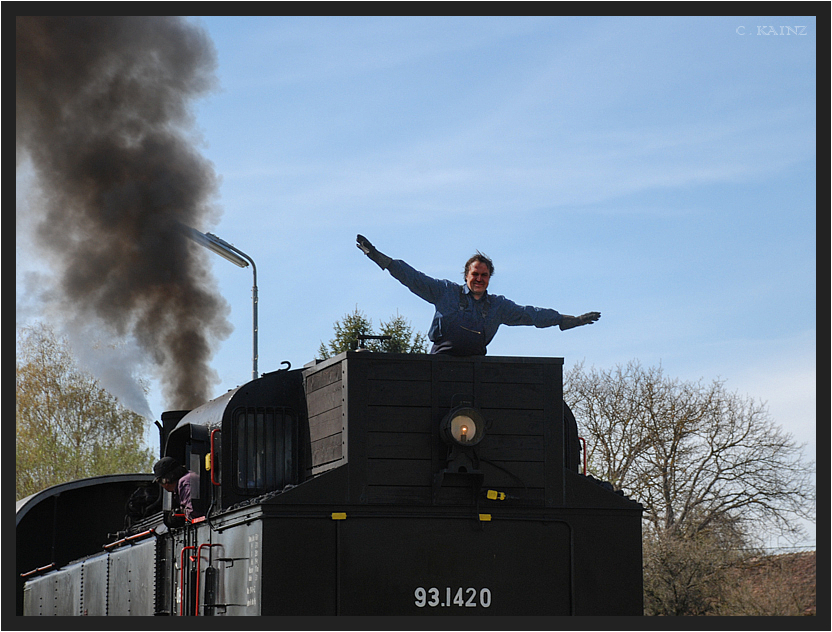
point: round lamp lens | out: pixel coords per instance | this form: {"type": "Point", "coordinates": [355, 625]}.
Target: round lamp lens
{"type": "Point", "coordinates": [463, 426]}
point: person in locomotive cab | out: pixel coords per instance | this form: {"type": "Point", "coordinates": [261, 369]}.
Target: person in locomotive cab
{"type": "Point", "coordinates": [177, 479]}
{"type": "Point", "coordinates": [467, 316]}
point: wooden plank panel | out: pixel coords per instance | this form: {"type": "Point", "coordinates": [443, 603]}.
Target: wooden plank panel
{"type": "Point", "coordinates": [398, 393]}
{"type": "Point", "coordinates": [398, 445]}
{"type": "Point", "coordinates": [455, 371]}
{"type": "Point", "coordinates": [325, 425]}
{"type": "Point", "coordinates": [326, 450]}
{"type": "Point", "coordinates": [399, 419]}
{"type": "Point", "coordinates": [511, 373]}
{"type": "Point", "coordinates": [553, 426]}
{"type": "Point", "coordinates": [323, 378]}
{"type": "Point", "coordinates": [452, 394]}
{"type": "Point", "coordinates": [509, 421]}
{"type": "Point", "coordinates": [512, 448]}
{"type": "Point", "coordinates": [525, 396]}
{"type": "Point", "coordinates": [325, 399]}
{"type": "Point", "coordinates": [410, 369]}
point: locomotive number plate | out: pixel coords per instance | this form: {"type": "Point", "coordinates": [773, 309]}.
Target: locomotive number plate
{"type": "Point", "coordinates": [461, 597]}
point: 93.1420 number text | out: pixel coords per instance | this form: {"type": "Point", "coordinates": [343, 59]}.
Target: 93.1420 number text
{"type": "Point", "coordinates": [464, 597]}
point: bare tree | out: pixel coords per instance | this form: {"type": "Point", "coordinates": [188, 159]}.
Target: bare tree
{"type": "Point", "coordinates": [694, 454]}
{"type": "Point", "coordinates": [710, 467]}
{"type": "Point", "coordinates": [779, 585]}
{"type": "Point", "coordinates": [685, 575]}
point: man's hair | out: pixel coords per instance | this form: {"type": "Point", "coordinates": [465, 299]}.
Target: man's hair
{"type": "Point", "coordinates": [174, 475]}
{"type": "Point", "coordinates": [481, 258]}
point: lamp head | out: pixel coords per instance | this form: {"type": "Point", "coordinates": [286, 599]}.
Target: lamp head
{"type": "Point", "coordinates": [223, 249]}
{"type": "Point", "coordinates": [215, 244]}
{"type": "Point", "coordinates": [464, 426]}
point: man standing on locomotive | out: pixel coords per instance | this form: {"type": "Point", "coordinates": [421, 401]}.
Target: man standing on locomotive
{"type": "Point", "coordinates": [467, 316]}
{"type": "Point", "coordinates": [177, 479]}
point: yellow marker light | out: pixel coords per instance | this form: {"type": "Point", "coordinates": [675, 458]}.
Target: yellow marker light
{"type": "Point", "coordinates": [339, 516]}
{"type": "Point", "coordinates": [485, 517]}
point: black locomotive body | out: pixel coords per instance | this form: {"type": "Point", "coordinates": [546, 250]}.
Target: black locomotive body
{"type": "Point", "coordinates": [367, 484]}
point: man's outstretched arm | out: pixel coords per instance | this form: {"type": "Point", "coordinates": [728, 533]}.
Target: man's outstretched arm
{"type": "Point", "coordinates": [576, 321]}
{"type": "Point", "coordinates": [372, 252]}
{"type": "Point", "coordinates": [423, 286]}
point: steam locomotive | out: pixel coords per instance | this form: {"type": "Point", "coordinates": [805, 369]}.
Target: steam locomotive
{"type": "Point", "coordinates": [365, 484]}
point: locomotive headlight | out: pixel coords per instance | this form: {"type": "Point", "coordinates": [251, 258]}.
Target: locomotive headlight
{"type": "Point", "coordinates": [463, 426]}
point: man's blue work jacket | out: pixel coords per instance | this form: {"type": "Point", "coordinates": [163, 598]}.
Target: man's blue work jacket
{"type": "Point", "coordinates": [463, 325]}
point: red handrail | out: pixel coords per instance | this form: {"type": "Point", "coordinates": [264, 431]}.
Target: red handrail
{"type": "Point", "coordinates": [143, 534]}
{"type": "Point", "coordinates": [182, 577]}
{"type": "Point", "coordinates": [38, 570]}
{"type": "Point", "coordinates": [213, 461]}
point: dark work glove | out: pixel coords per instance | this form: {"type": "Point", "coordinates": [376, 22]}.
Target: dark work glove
{"type": "Point", "coordinates": [370, 250]}
{"type": "Point", "coordinates": [576, 321]}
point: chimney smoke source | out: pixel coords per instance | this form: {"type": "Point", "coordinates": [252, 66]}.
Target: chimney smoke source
{"type": "Point", "coordinates": [104, 123]}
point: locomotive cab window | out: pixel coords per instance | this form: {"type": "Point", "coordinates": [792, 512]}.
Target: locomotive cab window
{"type": "Point", "coordinates": [264, 449]}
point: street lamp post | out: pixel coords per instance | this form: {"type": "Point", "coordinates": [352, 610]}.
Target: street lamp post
{"type": "Point", "coordinates": [238, 258]}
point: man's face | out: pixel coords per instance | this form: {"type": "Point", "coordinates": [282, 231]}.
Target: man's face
{"type": "Point", "coordinates": [168, 486]}
{"type": "Point", "coordinates": [477, 278]}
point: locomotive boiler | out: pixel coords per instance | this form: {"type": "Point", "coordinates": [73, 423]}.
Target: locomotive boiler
{"type": "Point", "coordinates": [365, 484]}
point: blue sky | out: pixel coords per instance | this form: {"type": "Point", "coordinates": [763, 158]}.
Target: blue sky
{"type": "Point", "coordinates": [659, 170]}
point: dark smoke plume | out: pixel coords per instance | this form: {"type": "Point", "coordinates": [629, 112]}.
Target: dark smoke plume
{"type": "Point", "coordinates": [103, 116]}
